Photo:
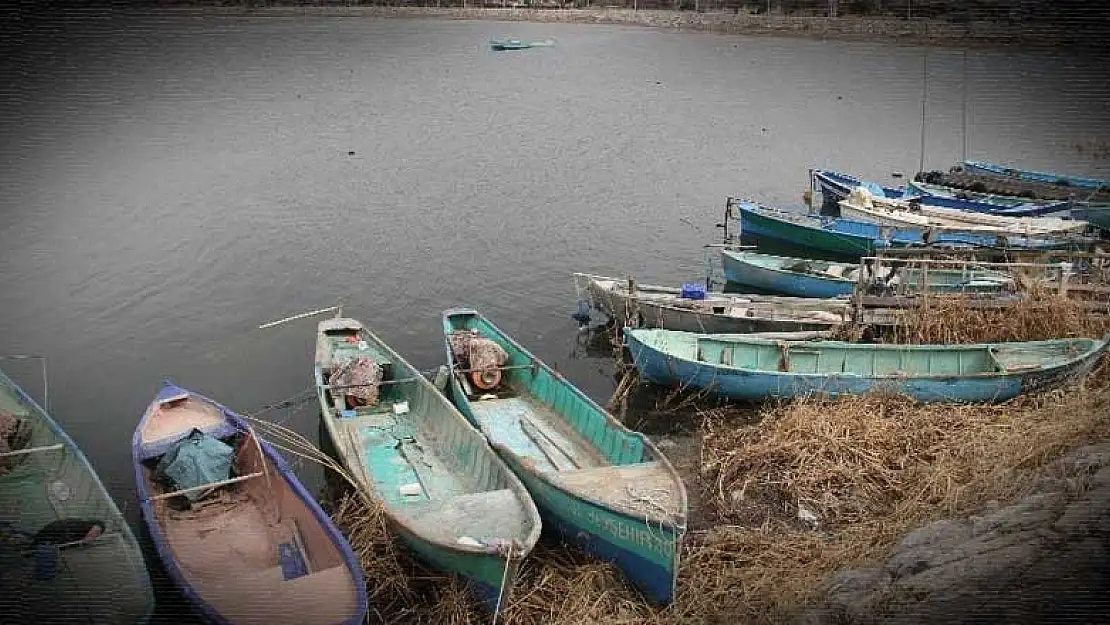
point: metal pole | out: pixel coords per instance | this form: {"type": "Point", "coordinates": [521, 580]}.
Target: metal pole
{"type": "Point", "coordinates": [965, 105]}
{"type": "Point", "coordinates": [924, 97]}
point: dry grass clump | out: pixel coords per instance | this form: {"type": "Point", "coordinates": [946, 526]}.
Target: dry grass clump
{"type": "Point", "coordinates": [864, 471]}
{"type": "Point", "coordinates": [948, 320]}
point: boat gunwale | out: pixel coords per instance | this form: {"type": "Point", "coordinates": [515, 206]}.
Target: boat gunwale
{"type": "Point", "coordinates": [676, 523]}
{"type": "Point", "coordinates": [161, 543]}
{"type": "Point", "coordinates": [523, 497]}
{"type": "Point", "coordinates": [134, 548]}
{"type": "Point", "coordinates": [1099, 347]}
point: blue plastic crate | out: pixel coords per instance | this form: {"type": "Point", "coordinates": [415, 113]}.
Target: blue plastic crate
{"type": "Point", "coordinates": [693, 291]}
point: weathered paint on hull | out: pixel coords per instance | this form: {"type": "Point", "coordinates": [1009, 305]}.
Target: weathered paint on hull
{"type": "Point", "coordinates": [832, 242]}
{"type": "Point", "coordinates": [994, 169]}
{"type": "Point", "coordinates": [754, 386]}
{"type": "Point", "coordinates": [794, 284]}
{"type": "Point", "coordinates": [486, 573]}
{"type": "Point", "coordinates": [599, 531]}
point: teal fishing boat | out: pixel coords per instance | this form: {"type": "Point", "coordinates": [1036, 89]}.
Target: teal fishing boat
{"type": "Point", "coordinates": [503, 43]}
{"type": "Point", "coordinates": [67, 555]}
{"type": "Point", "coordinates": [802, 277]}
{"type": "Point", "coordinates": [748, 368]}
{"type": "Point", "coordinates": [444, 490]}
{"type": "Point", "coordinates": [598, 485]}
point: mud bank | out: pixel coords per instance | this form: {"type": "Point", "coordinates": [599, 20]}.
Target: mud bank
{"type": "Point", "coordinates": [884, 29]}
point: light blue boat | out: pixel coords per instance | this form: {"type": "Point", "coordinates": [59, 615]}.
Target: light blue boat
{"type": "Point", "coordinates": [598, 485]}
{"type": "Point", "coordinates": [835, 186]}
{"type": "Point", "coordinates": [1083, 182]}
{"type": "Point", "coordinates": [67, 554]}
{"type": "Point", "coordinates": [803, 277]}
{"type": "Point", "coordinates": [445, 492]}
{"type": "Point", "coordinates": [753, 369]}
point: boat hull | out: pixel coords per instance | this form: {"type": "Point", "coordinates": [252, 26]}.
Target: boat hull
{"type": "Point", "coordinates": [752, 385]}
{"type": "Point", "coordinates": [994, 169]}
{"type": "Point", "coordinates": [643, 313]}
{"type": "Point", "coordinates": [760, 224]}
{"type": "Point", "coordinates": [275, 462]}
{"type": "Point", "coordinates": [755, 276]}
{"type": "Point", "coordinates": [104, 580]}
{"type": "Point", "coordinates": [647, 552]}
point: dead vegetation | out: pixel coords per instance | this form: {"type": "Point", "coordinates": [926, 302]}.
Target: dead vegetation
{"type": "Point", "coordinates": [792, 492]}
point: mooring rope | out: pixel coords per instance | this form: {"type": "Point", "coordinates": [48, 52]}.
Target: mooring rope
{"type": "Point", "coordinates": [504, 581]}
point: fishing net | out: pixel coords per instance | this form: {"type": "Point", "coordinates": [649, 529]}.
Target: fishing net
{"type": "Point", "coordinates": [476, 352]}
{"type": "Point", "coordinates": [362, 376]}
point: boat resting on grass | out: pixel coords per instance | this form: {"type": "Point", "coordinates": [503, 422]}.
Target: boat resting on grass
{"type": "Point", "coordinates": [235, 529]}
{"type": "Point", "coordinates": [752, 369]}
{"type": "Point", "coordinates": [446, 493]}
{"type": "Point", "coordinates": [598, 485]}
{"type": "Point", "coordinates": [67, 554]}
{"type": "Point", "coordinates": [649, 306]}
{"type": "Point", "coordinates": [800, 277]}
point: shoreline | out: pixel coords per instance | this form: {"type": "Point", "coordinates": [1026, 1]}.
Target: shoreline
{"type": "Point", "coordinates": [918, 32]}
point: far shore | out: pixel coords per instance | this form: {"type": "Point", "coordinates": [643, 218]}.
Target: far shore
{"type": "Point", "coordinates": [853, 28]}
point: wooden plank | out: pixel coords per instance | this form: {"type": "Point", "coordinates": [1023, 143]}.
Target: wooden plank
{"type": "Point", "coordinates": [234, 480]}
{"type": "Point", "coordinates": [548, 447]}
{"type": "Point", "coordinates": [32, 450]}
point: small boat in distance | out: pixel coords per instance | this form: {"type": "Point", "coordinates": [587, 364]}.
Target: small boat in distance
{"type": "Point", "coordinates": [753, 369]}
{"type": "Point", "coordinates": [444, 490]}
{"type": "Point", "coordinates": [599, 486]}
{"type": "Point", "coordinates": [67, 554]}
{"type": "Point", "coordinates": [236, 530]}
{"type": "Point", "coordinates": [504, 43]}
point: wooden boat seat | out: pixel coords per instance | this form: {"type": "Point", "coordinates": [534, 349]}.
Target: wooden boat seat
{"type": "Point", "coordinates": [496, 514]}
{"type": "Point", "coordinates": [276, 601]}
{"type": "Point", "coordinates": [645, 488]}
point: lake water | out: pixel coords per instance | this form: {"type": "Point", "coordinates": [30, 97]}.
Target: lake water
{"type": "Point", "coordinates": [170, 184]}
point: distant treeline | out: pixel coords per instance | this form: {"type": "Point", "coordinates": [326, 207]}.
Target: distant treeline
{"type": "Point", "coordinates": [1015, 11]}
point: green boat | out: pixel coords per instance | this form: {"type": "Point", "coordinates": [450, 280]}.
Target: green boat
{"type": "Point", "coordinates": [67, 555]}
{"type": "Point", "coordinates": [503, 43]}
{"type": "Point", "coordinates": [445, 492]}
{"type": "Point", "coordinates": [599, 486]}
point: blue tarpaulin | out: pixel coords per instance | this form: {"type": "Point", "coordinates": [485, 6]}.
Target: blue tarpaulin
{"type": "Point", "coordinates": [196, 460]}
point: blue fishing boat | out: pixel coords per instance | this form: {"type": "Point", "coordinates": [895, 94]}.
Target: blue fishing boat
{"type": "Point", "coordinates": [836, 186]}
{"type": "Point", "coordinates": [752, 369]}
{"type": "Point", "coordinates": [236, 530]}
{"type": "Point", "coordinates": [802, 277]}
{"type": "Point", "coordinates": [1083, 182]}
{"type": "Point", "coordinates": [448, 496]}
{"type": "Point", "coordinates": [598, 485]}
{"type": "Point", "coordinates": [67, 554]}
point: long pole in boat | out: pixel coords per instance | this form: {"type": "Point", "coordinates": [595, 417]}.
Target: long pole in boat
{"type": "Point", "coordinates": [924, 97]}
{"type": "Point", "coordinates": [338, 309]}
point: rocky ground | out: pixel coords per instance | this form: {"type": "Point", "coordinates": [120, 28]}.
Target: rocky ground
{"type": "Point", "coordinates": [1043, 559]}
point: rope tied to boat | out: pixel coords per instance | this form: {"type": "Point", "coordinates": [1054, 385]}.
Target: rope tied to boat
{"type": "Point", "coordinates": [507, 549]}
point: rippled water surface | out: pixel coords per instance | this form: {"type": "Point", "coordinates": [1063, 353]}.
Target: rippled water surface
{"type": "Point", "coordinates": [168, 185]}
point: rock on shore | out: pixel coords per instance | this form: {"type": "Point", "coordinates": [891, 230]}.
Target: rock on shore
{"type": "Point", "coordinates": [1041, 559]}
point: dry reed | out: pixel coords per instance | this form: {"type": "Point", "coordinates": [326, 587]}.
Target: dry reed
{"type": "Point", "coordinates": [1040, 316]}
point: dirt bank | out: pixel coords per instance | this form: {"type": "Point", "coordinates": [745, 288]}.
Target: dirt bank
{"type": "Point", "coordinates": [885, 29]}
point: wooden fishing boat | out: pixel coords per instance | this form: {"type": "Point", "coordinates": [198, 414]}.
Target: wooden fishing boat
{"type": "Point", "coordinates": [649, 306]}
{"type": "Point", "coordinates": [994, 169]}
{"type": "Point", "coordinates": [598, 485]}
{"type": "Point", "coordinates": [988, 203]}
{"type": "Point", "coordinates": [502, 43]}
{"type": "Point", "coordinates": [961, 178]}
{"type": "Point", "coordinates": [237, 532]}
{"type": "Point", "coordinates": [800, 277]}
{"type": "Point", "coordinates": [746, 368]}
{"type": "Point", "coordinates": [836, 186]}
{"type": "Point", "coordinates": [448, 496]}
{"type": "Point", "coordinates": [67, 554]}
{"type": "Point", "coordinates": [844, 238]}
{"type": "Point", "coordinates": [862, 206]}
